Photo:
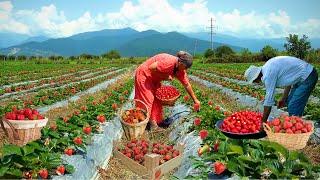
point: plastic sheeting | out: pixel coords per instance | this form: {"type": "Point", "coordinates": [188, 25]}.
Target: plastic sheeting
{"type": "Point", "coordinates": [98, 153]}
{"type": "Point", "coordinates": [98, 87]}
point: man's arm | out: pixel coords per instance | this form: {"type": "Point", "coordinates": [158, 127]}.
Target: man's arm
{"type": "Point", "coordinates": [266, 113]}
{"type": "Point", "coordinates": [284, 98]}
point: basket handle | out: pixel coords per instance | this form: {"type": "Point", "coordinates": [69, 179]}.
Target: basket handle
{"type": "Point", "coordinates": [148, 109]}
{"type": "Point", "coordinates": [267, 127]}
{"type": "Point", "coordinates": [14, 131]}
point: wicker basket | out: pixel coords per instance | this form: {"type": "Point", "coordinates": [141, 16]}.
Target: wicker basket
{"type": "Point", "coordinates": [169, 102]}
{"type": "Point", "coordinates": [134, 131]}
{"type": "Point", "coordinates": [290, 141]}
{"type": "Point", "coordinates": [22, 132]}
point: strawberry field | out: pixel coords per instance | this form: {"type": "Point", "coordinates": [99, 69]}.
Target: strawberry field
{"type": "Point", "coordinates": [82, 102]}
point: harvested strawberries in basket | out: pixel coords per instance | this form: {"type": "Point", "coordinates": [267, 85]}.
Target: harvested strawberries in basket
{"type": "Point", "coordinates": [133, 116]}
{"type": "Point", "coordinates": [290, 125]}
{"type": "Point", "coordinates": [24, 114]}
{"type": "Point", "coordinates": [167, 92]}
{"type": "Point", "coordinates": [243, 122]}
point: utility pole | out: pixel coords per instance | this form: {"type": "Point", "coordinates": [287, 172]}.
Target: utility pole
{"type": "Point", "coordinates": [195, 47]}
{"type": "Point", "coordinates": [212, 27]}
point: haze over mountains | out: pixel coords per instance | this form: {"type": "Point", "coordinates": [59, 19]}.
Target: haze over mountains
{"type": "Point", "coordinates": [128, 42]}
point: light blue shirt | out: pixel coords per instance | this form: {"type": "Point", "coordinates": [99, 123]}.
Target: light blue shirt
{"type": "Point", "coordinates": [283, 71]}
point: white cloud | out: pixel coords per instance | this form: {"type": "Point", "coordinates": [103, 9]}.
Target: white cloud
{"type": "Point", "coordinates": [9, 24]}
{"type": "Point", "coordinates": [154, 14]}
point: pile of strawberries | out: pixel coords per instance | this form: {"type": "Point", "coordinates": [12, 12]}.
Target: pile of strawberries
{"type": "Point", "coordinates": [23, 114]}
{"type": "Point", "coordinates": [243, 122]}
{"type": "Point", "coordinates": [133, 116]}
{"type": "Point", "coordinates": [290, 125]}
{"type": "Point", "coordinates": [136, 149]}
{"type": "Point", "coordinates": [167, 92]}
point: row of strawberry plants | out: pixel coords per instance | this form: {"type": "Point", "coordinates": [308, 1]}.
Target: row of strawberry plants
{"type": "Point", "coordinates": [67, 135]}
{"type": "Point", "coordinates": [255, 159]}
{"type": "Point", "coordinates": [50, 96]}
{"type": "Point", "coordinates": [55, 82]}
{"type": "Point", "coordinates": [245, 89]}
{"type": "Point", "coordinates": [41, 72]}
{"type": "Point", "coordinates": [312, 109]}
{"type": "Point", "coordinates": [237, 73]}
{"type": "Point", "coordinates": [17, 75]}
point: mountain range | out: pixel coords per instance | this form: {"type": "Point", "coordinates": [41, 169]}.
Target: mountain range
{"type": "Point", "coordinates": [128, 42]}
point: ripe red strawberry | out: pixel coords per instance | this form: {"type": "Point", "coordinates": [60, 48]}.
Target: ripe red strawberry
{"type": "Point", "coordinates": [35, 112]}
{"type": "Point", "coordinates": [21, 111]}
{"type": "Point", "coordinates": [157, 174]}
{"type": "Point", "coordinates": [68, 151]}
{"type": "Point", "coordinates": [197, 121]}
{"type": "Point", "coordinates": [32, 117]}
{"type": "Point", "coordinates": [21, 117]}
{"type": "Point", "coordinates": [27, 112]}
{"type": "Point", "coordinates": [175, 153]}
{"type": "Point", "coordinates": [128, 154]}
{"type": "Point", "coordinates": [83, 108]}
{"type": "Point", "coordinates": [309, 127]}
{"type": "Point", "coordinates": [186, 98]}
{"type": "Point", "coordinates": [210, 103]}
{"type": "Point", "coordinates": [43, 173]}
{"type": "Point", "coordinates": [11, 116]}
{"type": "Point", "coordinates": [287, 125]}
{"type": "Point", "coordinates": [65, 119]}
{"type": "Point", "coordinates": [87, 129]}
{"type": "Point", "coordinates": [114, 106]}
{"type": "Point", "coordinates": [196, 107]}
{"type": "Point", "coordinates": [167, 157]}
{"type": "Point", "coordinates": [203, 133]}
{"type": "Point", "coordinates": [101, 118]}
{"type": "Point", "coordinates": [219, 167]}
{"type": "Point", "coordinates": [40, 116]}
{"type": "Point", "coordinates": [77, 140]}
{"type": "Point", "coordinates": [298, 126]}
{"type": "Point", "coordinates": [217, 108]}
{"type": "Point", "coordinates": [289, 131]}
{"type": "Point", "coordinates": [216, 147]}
{"type": "Point", "coordinates": [276, 122]}
{"type": "Point", "coordinates": [53, 127]}
{"type": "Point", "coordinates": [60, 170]}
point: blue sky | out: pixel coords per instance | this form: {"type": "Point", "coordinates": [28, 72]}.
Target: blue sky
{"type": "Point", "coordinates": [245, 18]}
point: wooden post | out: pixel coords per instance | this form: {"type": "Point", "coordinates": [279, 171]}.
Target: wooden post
{"type": "Point", "coordinates": [151, 161]}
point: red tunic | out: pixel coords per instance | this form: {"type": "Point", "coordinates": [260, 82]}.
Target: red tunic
{"type": "Point", "coordinates": [146, 82]}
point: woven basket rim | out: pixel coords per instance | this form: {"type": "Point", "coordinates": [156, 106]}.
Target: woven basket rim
{"type": "Point", "coordinates": [146, 111]}
{"type": "Point", "coordinates": [268, 131]}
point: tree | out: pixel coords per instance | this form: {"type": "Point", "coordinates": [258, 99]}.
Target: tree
{"type": "Point", "coordinates": [223, 51]}
{"type": "Point", "coordinates": [268, 52]}
{"type": "Point", "coordinates": [22, 57]}
{"type": "Point", "coordinates": [245, 52]}
{"type": "Point", "coordinates": [113, 54]}
{"type": "Point", "coordinates": [297, 47]}
{"type": "Point", "coordinates": [209, 53]}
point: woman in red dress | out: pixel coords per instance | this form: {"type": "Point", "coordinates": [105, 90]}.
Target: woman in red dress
{"type": "Point", "coordinates": [149, 75]}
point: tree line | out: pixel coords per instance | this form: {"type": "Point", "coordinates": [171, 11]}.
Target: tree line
{"type": "Point", "coordinates": [294, 46]}
{"type": "Point", "coordinates": [113, 54]}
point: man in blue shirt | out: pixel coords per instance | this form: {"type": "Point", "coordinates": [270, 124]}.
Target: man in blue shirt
{"type": "Point", "coordinates": [295, 75]}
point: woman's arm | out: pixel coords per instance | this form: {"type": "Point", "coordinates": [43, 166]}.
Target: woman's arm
{"type": "Point", "coordinates": [191, 93]}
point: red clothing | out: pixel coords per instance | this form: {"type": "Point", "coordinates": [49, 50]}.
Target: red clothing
{"type": "Point", "coordinates": [146, 82]}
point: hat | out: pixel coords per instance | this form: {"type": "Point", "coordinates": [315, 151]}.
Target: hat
{"type": "Point", "coordinates": [185, 58]}
{"type": "Point", "coordinates": [252, 73]}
